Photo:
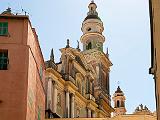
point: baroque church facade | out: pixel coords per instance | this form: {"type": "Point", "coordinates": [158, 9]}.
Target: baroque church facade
{"type": "Point", "coordinates": [78, 86]}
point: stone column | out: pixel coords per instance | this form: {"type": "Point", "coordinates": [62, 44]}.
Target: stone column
{"type": "Point", "coordinates": [72, 105]}
{"type": "Point", "coordinates": [93, 114]}
{"type": "Point", "coordinates": [49, 94]}
{"type": "Point", "coordinates": [89, 113]}
{"type": "Point", "coordinates": [67, 104]}
{"type": "Point", "coordinates": [54, 97]}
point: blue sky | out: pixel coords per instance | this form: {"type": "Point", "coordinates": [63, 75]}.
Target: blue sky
{"type": "Point", "coordinates": [127, 33]}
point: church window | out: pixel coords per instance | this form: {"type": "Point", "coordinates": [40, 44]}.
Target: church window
{"type": "Point", "coordinates": [3, 60]}
{"type": "Point", "coordinates": [93, 88]}
{"type": "Point", "coordinates": [90, 46]}
{"type": "Point", "coordinates": [86, 47]}
{"type": "Point", "coordinates": [59, 99]}
{"type": "Point", "coordinates": [3, 28]}
{"type": "Point", "coordinates": [79, 86]}
{"type": "Point", "coordinates": [70, 68]}
{"type": "Point", "coordinates": [118, 103]}
{"type": "Point", "coordinates": [87, 86]}
{"type": "Point", "coordinates": [89, 29]}
{"type": "Point", "coordinates": [83, 88]}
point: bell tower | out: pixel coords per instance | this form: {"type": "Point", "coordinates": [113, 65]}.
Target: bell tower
{"type": "Point", "coordinates": [92, 28]}
{"type": "Point", "coordinates": [119, 102]}
{"type": "Point", "coordinates": [98, 62]}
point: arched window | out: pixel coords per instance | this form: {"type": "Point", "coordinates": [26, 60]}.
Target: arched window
{"type": "Point", "coordinates": [89, 45]}
{"type": "Point", "coordinates": [118, 103]}
{"type": "Point", "coordinates": [70, 67]}
{"type": "Point", "coordinates": [59, 99]}
{"type": "Point", "coordinates": [83, 88]}
{"type": "Point", "coordinates": [87, 86]}
{"type": "Point", "coordinates": [91, 8]}
{"type": "Point", "coordinates": [79, 86]}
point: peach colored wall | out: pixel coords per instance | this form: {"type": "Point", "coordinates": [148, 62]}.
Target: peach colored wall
{"type": "Point", "coordinates": [13, 82]}
{"type": "Point", "coordinates": [15, 26]}
{"type": "Point", "coordinates": [31, 95]}
{"type": "Point", "coordinates": [35, 49]}
{"type": "Point", "coordinates": [36, 97]}
{"type": "Point", "coordinates": [35, 85]}
{"type": "Point", "coordinates": [21, 90]}
{"type": "Point", "coordinates": [40, 101]}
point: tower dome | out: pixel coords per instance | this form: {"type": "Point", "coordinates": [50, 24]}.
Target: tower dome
{"type": "Point", "coordinates": [118, 90]}
{"type": "Point", "coordinates": [92, 28]}
{"type": "Point", "coordinates": [92, 14]}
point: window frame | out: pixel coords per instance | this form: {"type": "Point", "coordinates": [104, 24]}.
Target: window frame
{"type": "Point", "coordinates": [89, 45]}
{"type": "Point", "coordinates": [118, 103]}
{"type": "Point", "coordinates": [4, 60]}
{"type": "Point", "coordinates": [3, 28]}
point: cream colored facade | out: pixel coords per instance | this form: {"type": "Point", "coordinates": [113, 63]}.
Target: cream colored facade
{"type": "Point", "coordinates": [119, 102]}
{"type": "Point", "coordinates": [120, 117]}
{"type": "Point", "coordinates": [141, 113]}
{"type": "Point", "coordinates": [78, 86]}
{"type": "Point", "coordinates": [155, 49]}
{"type": "Point", "coordinates": [134, 117]}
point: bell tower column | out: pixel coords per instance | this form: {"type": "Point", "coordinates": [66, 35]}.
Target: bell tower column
{"type": "Point", "coordinates": [119, 102]}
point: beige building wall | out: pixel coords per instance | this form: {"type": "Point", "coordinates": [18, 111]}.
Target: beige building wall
{"type": "Point", "coordinates": [134, 117]}
{"type": "Point", "coordinates": [155, 48]}
{"type": "Point", "coordinates": [120, 117]}
{"type": "Point", "coordinates": [80, 119]}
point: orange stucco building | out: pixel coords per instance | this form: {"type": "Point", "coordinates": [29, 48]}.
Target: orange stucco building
{"type": "Point", "coordinates": [22, 68]}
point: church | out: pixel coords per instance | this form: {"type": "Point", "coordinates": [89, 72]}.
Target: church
{"type": "Point", "coordinates": [79, 83]}
{"type": "Point", "coordinates": [81, 78]}
{"type": "Point", "coordinates": [78, 86]}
